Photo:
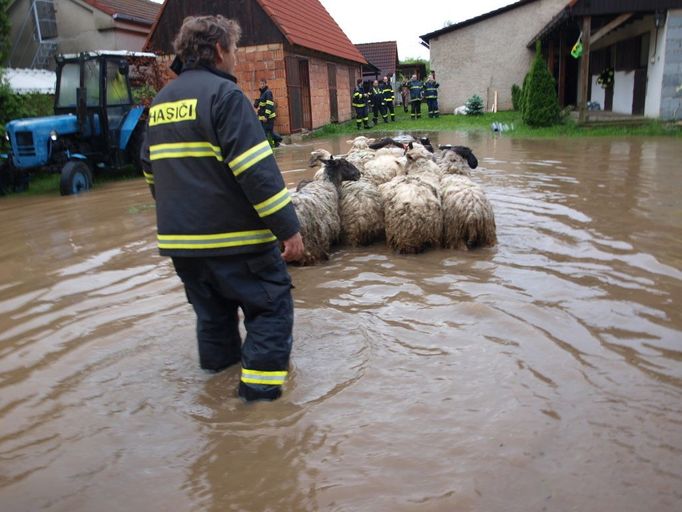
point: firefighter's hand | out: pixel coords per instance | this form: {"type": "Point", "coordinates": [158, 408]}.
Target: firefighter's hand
{"type": "Point", "coordinates": [293, 248]}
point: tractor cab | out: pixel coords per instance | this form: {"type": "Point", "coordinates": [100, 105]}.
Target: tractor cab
{"type": "Point", "coordinates": [96, 125]}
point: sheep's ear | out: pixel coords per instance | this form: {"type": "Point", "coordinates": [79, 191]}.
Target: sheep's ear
{"type": "Point", "coordinates": [331, 157]}
{"type": "Point", "coordinates": [410, 145]}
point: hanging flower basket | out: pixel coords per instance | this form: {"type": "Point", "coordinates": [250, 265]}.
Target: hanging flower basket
{"type": "Point", "coordinates": [605, 78]}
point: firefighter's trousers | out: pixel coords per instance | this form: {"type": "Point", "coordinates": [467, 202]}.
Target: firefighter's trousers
{"type": "Point", "coordinates": [260, 285]}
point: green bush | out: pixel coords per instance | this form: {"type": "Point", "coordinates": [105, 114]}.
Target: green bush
{"type": "Point", "coordinates": [19, 106]}
{"type": "Point", "coordinates": [516, 97]}
{"type": "Point", "coordinates": [474, 105]}
{"type": "Point", "coordinates": [541, 106]}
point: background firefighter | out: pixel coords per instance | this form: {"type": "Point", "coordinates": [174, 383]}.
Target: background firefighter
{"type": "Point", "coordinates": [221, 208]}
{"type": "Point", "coordinates": [389, 97]}
{"type": "Point", "coordinates": [360, 106]}
{"type": "Point", "coordinates": [267, 113]}
{"type": "Point", "coordinates": [416, 91]}
{"type": "Point", "coordinates": [431, 94]}
{"type": "Point", "coordinates": [378, 103]}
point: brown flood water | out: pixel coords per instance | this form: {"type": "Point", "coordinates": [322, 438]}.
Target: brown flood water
{"type": "Point", "coordinates": [542, 374]}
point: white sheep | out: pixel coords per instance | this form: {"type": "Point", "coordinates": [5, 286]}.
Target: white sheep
{"type": "Point", "coordinates": [450, 162]}
{"type": "Point", "coordinates": [361, 210]}
{"type": "Point", "coordinates": [420, 161]}
{"type": "Point", "coordinates": [468, 219]}
{"type": "Point", "coordinates": [383, 168]}
{"type": "Point", "coordinates": [318, 156]}
{"type": "Point", "coordinates": [317, 207]}
{"type": "Point", "coordinates": [412, 213]}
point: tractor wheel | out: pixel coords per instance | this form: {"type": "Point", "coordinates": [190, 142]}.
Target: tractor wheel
{"type": "Point", "coordinates": [76, 177]}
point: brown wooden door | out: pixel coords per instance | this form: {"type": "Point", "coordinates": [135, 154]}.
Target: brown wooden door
{"type": "Point", "coordinates": [333, 99]}
{"type": "Point", "coordinates": [298, 88]}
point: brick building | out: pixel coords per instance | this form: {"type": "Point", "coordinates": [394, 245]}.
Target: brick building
{"type": "Point", "coordinates": [309, 63]}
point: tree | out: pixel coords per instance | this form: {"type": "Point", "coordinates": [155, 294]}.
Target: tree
{"type": "Point", "coordinates": [5, 27]}
{"type": "Point", "coordinates": [516, 93]}
{"type": "Point", "coordinates": [474, 105]}
{"type": "Point", "coordinates": [541, 106]}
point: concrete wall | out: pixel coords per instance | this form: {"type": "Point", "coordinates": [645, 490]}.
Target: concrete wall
{"type": "Point", "coordinates": [671, 99]}
{"type": "Point", "coordinates": [489, 55]}
{"type": "Point", "coordinates": [82, 27]}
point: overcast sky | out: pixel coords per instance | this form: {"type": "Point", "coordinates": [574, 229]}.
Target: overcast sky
{"type": "Point", "coordinates": [404, 21]}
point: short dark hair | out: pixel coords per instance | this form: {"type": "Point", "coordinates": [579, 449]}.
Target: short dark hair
{"type": "Point", "coordinates": [198, 36]}
{"type": "Point", "coordinates": [358, 81]}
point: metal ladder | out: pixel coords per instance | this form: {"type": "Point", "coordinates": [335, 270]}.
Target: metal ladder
{"type": "Point", "coordinates": [41, 22]}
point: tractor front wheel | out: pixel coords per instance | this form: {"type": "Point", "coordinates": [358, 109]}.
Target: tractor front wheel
{"type": "Point", "coordinates": [76, 177]}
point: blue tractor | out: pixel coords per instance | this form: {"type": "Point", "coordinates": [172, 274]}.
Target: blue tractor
{"type": "Point", "coordinates": [96, 125]}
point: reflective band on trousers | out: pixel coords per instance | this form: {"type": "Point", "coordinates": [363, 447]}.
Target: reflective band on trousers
{"type": "Point", "coordinates": [250, 157]}
{"type": "Point", "coordinates": [148, 177]}
{"type": "Point", "coordinates": [260, 377]}
{"type": "Point", "coordinates": [184, 150]}
{"type": "Point", "coordinates": [234, 239]}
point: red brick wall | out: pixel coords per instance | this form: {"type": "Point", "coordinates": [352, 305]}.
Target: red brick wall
{"type": "Point", "coordinates": [265, 61]}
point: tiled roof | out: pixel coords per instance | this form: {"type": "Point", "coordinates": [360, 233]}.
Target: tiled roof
{"type": "Point", "coordinates": [141, 10]}
{"type": "Point", "coordinates": [307, 23]}
{"type": "Point", "coordinates": [383, 55]}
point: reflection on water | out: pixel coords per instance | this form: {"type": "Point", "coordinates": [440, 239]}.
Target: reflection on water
{"type": "Point", "coordinates": [542, 374]}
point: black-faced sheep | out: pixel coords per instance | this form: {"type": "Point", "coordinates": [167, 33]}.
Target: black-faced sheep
{"type": "Point", "coordinates": [468, 218]}
{"type": "Point", "coordinates": [317, 207]}
{"type": "Point", "coordinates": [412, 213]}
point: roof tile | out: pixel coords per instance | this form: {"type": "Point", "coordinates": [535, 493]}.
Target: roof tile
{"type": "Point", "coordinates": [383, 55]}
{"type": "Point", "coordinates": [307, 23]}
{"type": "Point", "coordinates": [141, 9]}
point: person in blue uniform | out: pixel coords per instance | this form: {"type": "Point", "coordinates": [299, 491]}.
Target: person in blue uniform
{"type": "Point", "coordinates": [267, 112]}
{"type": "Point", "coordinates": [359, 102]}
{"type": "Point", "coordinates": [431, 94]}
{"type": "Point", "coordinates": [389, 97]}
{"type": "Point", "coordinates": [416, 93]}
{"type": "Point", "coordinates": [376, 96]}
{"type": "Point", "coordinates": [223, 210]}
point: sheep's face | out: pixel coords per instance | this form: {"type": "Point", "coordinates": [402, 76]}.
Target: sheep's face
{"type": "Point", "coordinates": [416, 152]}
{"type": "Point", "coordinates": [338, 170]}
{"type": "Point", "coordinates": [360, 142]}
{"type": "Point", "coordinates": [318, 156]}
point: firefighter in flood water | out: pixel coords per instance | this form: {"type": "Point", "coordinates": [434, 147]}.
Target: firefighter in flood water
{"type": "Point", "coordinates": [222, 209]}
{"type": "Point", "coordinates": [267, 112]}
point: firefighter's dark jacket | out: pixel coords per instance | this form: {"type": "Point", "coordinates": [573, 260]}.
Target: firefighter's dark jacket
{"type": "Point", "coordinates": [265, 105]}
{"type": "Point", "coordinates": [217, 186]}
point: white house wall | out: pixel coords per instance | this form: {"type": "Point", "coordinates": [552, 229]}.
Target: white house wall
{"type": "Point", "coordinates": [488, 56]}
{"type": "Point", "coordinates": [623, 91]}
{"type": "Point", "coordinates": [655, 72]}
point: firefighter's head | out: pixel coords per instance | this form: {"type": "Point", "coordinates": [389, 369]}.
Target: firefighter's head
{"type": "Point", "coordinates": [375, 83]}
{"type": "Point", "coordinates": [208, 40]}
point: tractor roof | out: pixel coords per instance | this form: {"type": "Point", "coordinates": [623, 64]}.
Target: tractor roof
{"type": "Point", "coordinates": [104, 53]}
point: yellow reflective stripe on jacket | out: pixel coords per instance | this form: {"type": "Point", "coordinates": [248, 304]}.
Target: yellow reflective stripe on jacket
{"type": "Point", "coordinates": [184, 150]}
{"type": "Point", "coordinates": [259, 377]}
{"type": "Point", "coordinates": [148, 177]}
{"type": "Point", "coordinates": [250, 157]}
{"type": "Point", "coordinates": [234, 239]}
{"type": "Point", "coordinates": [273, 204]}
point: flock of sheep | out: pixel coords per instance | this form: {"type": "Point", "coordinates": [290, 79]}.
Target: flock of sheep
{"type": "Point", "coordinates": [411, 196]}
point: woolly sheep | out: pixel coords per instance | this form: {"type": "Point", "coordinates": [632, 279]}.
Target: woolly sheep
{"type": "Point", "coordinates": [318, 155]}
{"type": "Point", "coordinates": [468, 218]}
{"type": "Point", "coordinates": [450, 162]}
{"type": "Point", "coordinates": [317, 207]}
{"type": "Point", "coordinates": [361, 210]}
{"type": "Point", "coordinates": [420, 161]}
{"type": "Point", "coordinates": [412, 213]}
{"type": "Point", "coordinates": [382, 168]}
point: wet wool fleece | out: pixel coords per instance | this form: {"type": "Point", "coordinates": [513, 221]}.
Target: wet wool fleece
{"type": "Point", "coordinates": [362, 213]}
{"type": "Point", "coordinates": [468, 218]}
